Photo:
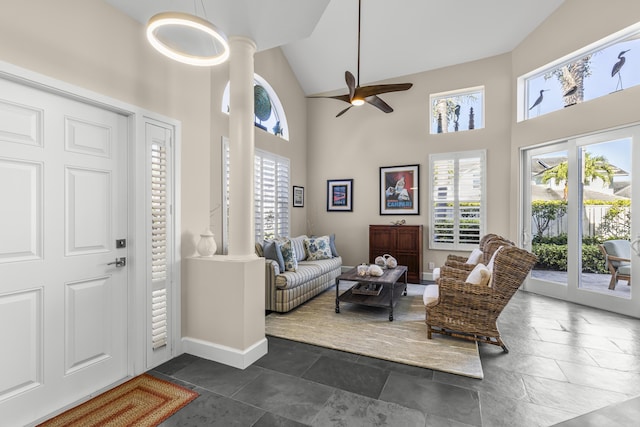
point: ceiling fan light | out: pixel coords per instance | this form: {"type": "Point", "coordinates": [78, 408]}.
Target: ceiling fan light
{"type": "Point", "coordinates": [356, 102]}
{"type": "Point", "coordinates": [173, 33]}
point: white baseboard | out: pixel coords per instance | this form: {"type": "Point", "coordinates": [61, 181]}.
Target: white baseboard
{"type": "Point", "coordinates": [226, 355]}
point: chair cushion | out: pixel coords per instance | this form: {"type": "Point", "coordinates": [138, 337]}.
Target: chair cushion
{"type": "Point", "coordinates": [475, 256]}
{"type": "Point", "coordinates": [618, 248]}
{"type": "Point", "coordinates": [435, 275]}
{"type": "Point", "coordinates": [625, 270]}
{"type": "Point", "coordinates": [431, 294]}
{"type": "Point", "coordinates": [480, 275]}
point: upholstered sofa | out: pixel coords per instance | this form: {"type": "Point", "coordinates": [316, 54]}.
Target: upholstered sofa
{"type": "Point", "coordinates": [288, 288]}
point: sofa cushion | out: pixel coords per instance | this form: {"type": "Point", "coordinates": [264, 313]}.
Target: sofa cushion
{"type": "Point", "coordinates": [298, 247]}
{"type": "Point", "coordinates": [318, 248]}
{"type": "Point", "coordinates": [272, 250]}
{"type": "Point", "coordinates": [306, 271]}
{"type": "Point", "coordinates": [288, 254]}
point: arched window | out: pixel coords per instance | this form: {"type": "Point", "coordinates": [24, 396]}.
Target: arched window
{"type": "Point", "coordinates": [269, 114]}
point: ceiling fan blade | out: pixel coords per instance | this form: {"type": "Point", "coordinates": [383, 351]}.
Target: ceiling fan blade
{"type": "Point", "coordinates": [351, 84]}
{"type": "Point", "coordinates": [367, 91]}
{"type": "Point", "coordinates": [379, 103]}
{"type": "Point", "coordinates": [344, 98]}
{"type": "Point", "coordinates": [344, 111]}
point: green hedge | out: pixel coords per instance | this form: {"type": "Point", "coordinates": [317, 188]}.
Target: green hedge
{"type": "Point", "coordinates": [553, 256]}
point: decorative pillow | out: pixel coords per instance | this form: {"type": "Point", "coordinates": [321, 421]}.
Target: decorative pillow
{"type": "Point", "coordinates": [435, 275]}
{"type": "Point", "coordinates": [271, 250]}
{"type": "Point", "coordinates": [288, 254]}
{"type": "Point", "coordinates": [332, 244]}
{"type": "Point", "coordinates": [318, 248]}
{"type": "Point", "coordinates": [475, 256]}
{"type": "Point", "coordinates": [493, 258]}
{"type": "Point", "coordinates": [298, 247]}
{"type": "Point", "coordinates": [259, 249]}
{"type": "Point", "coordinates": [480, 275]}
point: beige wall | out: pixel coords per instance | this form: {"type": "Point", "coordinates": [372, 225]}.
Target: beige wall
{"type": "Point", "coordinates": [274, 68]}
{"type": "Point", "coordinates": [98, 48]}
{"type": "Point", "coordinates": [358, 143]}
{"type": "Point", "coordinates": [576, 24]}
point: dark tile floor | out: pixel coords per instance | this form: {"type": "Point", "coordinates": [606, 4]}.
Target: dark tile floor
{"type": "Point", "coordinates": [568, 364]}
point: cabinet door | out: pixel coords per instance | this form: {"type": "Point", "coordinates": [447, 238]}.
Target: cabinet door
{"type": "Point", "coordinates": [407, 240]}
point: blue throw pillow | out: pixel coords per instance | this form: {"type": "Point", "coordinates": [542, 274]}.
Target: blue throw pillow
{"type": "Point", "coordinates": [272, 251]}
{"type": "Point", "coordinates": [332, 245]}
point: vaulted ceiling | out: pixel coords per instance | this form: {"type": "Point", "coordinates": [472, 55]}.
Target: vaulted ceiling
{"type": "Point", "coordinates": [319, 37]}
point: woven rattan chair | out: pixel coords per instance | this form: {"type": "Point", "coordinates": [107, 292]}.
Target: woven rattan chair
{"type": "Point", "coordinates": [488, 247]}
{"type": "Point", "coordinates": [469, 311]}
{"type": "Point", "coordinates": [617, 255]}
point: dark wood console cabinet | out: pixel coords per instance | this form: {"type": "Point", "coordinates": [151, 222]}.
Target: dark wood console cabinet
{"type": "Point", "coordinates": [403, 242]}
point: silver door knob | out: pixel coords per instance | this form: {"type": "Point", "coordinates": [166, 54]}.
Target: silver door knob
{"type": "Point", "coordinates": [119, 262]}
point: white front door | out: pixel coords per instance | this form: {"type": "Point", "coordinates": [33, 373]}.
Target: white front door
{"type": "Point", "coordinates": [63, 301]}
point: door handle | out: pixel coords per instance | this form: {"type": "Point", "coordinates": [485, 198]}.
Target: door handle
{"type": "Point", "coordinates": [119, 262]}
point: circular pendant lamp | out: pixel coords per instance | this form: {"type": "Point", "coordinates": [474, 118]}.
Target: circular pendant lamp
{"type": "Point", "coordinates": [188, 39]}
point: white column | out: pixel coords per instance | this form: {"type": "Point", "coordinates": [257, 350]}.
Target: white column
{"type": "Point", "coordinates": [241, 147]}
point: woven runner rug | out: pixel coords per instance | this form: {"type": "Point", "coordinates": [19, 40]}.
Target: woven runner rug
{"type": "Point", "coordinates": [142, 401]}
{"type": "Point", "coordinates": [367, 331]}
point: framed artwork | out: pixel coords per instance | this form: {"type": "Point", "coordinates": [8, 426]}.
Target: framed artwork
{"type": "Point", "coordinates": [339, 195]}
{"type": "Point", "coordinates": [399, 193]}
{"type": "Point", "coordinates": [298, 197]}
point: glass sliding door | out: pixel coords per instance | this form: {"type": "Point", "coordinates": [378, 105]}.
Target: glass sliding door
{"type": "Point", "coordinates": [578, 196]}
{"type": "Point", "coordinates": [546, 192]}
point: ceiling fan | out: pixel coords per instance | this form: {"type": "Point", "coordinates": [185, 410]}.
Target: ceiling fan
{"type": "Point", "coordinates": [359, 95]}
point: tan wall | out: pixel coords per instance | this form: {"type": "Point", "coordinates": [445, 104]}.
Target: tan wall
{"type": "Point", "coordinates": [358, 143]}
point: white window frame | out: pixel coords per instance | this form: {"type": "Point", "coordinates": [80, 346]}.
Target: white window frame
{"type": "Point", "coordinates": [275, 104]}
{"type": "Point", "coordinates": [282, 195]}
{"type": "Point", "coordinates": [522, 82]}
{"type": "Point", "coordinates": [454, 197]}
{"type": "Point", "coordinates": [469, 91]}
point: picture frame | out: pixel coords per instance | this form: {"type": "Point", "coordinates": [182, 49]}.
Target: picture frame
{"type": "Point", "coordinates": [340, 195]}
{"type": "Point", "coordinates": [399, 190]}
{"type": "Point", "coordinates": [298, 197]}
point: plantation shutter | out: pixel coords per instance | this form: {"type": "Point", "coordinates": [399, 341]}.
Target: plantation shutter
{"type": "Point", "coordinates": [158, 245]}
{"type": "Point", "coordinates": [457, 190]}
{"type": "Point", "coordinates": [271, 194]}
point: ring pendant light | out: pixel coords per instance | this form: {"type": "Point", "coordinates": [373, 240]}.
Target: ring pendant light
{"type": "Point", "coordinates": [188, 39]}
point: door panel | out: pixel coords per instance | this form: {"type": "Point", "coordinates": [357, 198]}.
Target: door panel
{"type": "Point", "coordinates": [63, 308]}
{"type": "Point", "coordinates": [594, 195]}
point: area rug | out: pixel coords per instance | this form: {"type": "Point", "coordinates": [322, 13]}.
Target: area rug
{"type": "Point", "coordinates": [367, 331]}
{"type": "Point", "coordinates": [142, 401]}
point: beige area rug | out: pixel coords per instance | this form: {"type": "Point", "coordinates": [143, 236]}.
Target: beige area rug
{"type": "Point", "coordinates": [368, 331]}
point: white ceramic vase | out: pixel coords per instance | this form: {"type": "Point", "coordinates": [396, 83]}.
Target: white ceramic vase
{"type": "Point", "coordinates": [207, 244]}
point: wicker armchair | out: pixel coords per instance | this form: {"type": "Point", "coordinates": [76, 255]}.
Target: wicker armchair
{"type": "Point", "coordinates": [469, 311]}
{"type": "Point", "coordinates": [488, 247]}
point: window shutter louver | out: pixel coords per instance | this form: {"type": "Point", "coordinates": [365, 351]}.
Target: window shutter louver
{"type": "Point", "coordinates": [159, 245]}
{"type": "Point", "coordinates": [270, 191]}
{"type": "Point", "coordinates": [457, 200]}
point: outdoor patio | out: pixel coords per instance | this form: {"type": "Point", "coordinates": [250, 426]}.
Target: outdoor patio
{"type": "Point", "coordinates": [590, 281]}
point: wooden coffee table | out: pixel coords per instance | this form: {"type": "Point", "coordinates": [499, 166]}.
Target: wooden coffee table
{"type": "Point", "coordinates": [388, 295]}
